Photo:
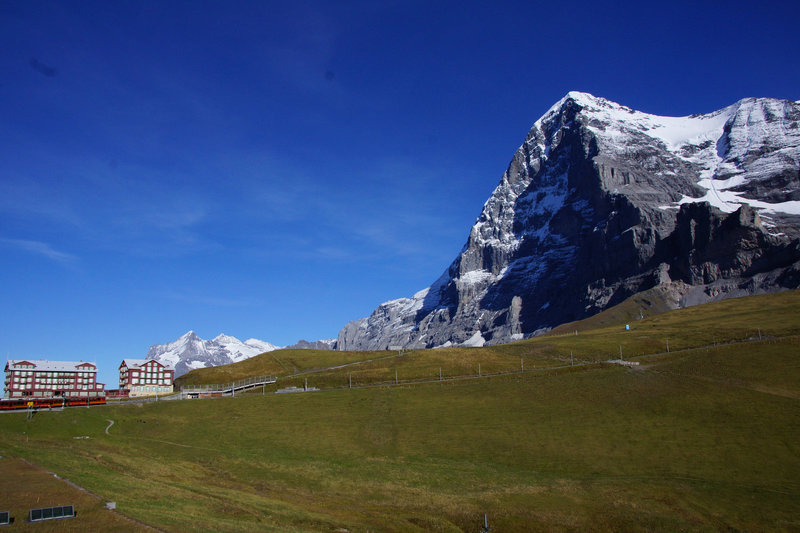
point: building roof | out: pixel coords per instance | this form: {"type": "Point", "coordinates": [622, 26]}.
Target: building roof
{"type": "Point", "coordinates": [55, 366]}
{"type": "Point", "coordinates": [137, 363]}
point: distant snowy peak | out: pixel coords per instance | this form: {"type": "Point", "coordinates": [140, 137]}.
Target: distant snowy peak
{"type": "Point", "coordinates": [238, 350]}
{"type": "Point", "coordinates": [190, 351]}
{"type": "Point", "coordinates": [261, 345]}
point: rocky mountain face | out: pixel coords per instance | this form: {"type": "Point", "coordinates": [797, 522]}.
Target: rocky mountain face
{"type": "Point", "coordinates": [190, 351]}
{"type": "Point", "coordinates": [601, 202]}
{"type": "Point", "coordinates": [325, 344]}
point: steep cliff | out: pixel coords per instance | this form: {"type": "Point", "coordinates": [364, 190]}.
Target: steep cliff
{"type": "Point", "coordinates": [601, 202]}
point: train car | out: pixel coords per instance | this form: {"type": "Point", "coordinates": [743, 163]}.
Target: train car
{"type": "Point", "coordinates": [77, 402]}
{"type": "Point", "coordinates": [7, 404]}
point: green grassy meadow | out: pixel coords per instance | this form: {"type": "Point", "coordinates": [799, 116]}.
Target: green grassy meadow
{"type": "Point", "coordinates": [598, 339]}
{"type": "Point", "coordinates": [703, 438]}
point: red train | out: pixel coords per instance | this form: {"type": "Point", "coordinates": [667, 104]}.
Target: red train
{"type": "Point", "coordinates": [7, 404]}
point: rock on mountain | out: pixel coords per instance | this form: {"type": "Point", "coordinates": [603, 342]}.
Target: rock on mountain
{"type": "Point", "coordinates": [324, 344]}
{"type": "Point", "coordinates": [601, 202]}
{"type": "Point", "coordinates": [190, 351]}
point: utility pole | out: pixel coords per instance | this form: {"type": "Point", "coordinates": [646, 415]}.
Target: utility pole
{"type": "Point", "coordinates": [440, 373]}
{"type": "Point", "coordinates": [620, 352]}
{"type": "Point", "coordinates": [350, 380]}
{"type": "Point", "coordinates": [667, 345]}
{"type": "Point", "coordinates": [479, 370]}
{"type": "Point", "coordinates": [571, 359]}
{"type": "Point", "coordinates": [521, 364]}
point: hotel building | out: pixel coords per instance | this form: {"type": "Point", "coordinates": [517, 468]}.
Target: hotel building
{"type": "Point", "coordinates": [28, 378]}
{"type": "Point", "coordinates": [145, 377]}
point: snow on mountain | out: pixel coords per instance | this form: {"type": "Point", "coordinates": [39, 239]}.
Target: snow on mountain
{"type": "Point", "coordinates": [602, 201]}
{"type": "Point", "coordinates": [745, 142]}
{"type": "Point", "coordinates": [238, 350]}
{"type": "Point", "coordinates": [190, 351]}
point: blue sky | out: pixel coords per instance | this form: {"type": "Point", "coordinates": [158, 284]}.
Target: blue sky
{"type": "Point", "coordinates": [277, 169]}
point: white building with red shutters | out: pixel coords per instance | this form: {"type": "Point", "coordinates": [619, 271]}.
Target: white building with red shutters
{"type": "Point", "coordinates": [33, 378]}
{"type": "Point", "coordinates": [145, 377]}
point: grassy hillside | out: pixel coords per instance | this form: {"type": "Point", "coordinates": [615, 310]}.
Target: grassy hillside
{"type": "Point", "coordinates": [695, 440]}
{"type": "Point", "coordinates": [275, 363]}
{"type": "Point", "coordinates": [24, 487]}
{"type": "Point", "coordinates": [595, 339]}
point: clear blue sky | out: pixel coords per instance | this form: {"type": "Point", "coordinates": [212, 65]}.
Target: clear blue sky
{"type": "Point", "coordinates": [277, 169]}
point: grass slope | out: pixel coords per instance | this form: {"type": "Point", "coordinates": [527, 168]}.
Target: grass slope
{"type": "Point", "coordinates": [702, 439]}
{"type": "Point", "coordinates": [24, 487]}
{"type": "Point", "coordinates": [598, 339]}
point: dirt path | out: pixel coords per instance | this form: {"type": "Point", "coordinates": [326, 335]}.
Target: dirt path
{"type": "Point", "coordinates": [110, 423]}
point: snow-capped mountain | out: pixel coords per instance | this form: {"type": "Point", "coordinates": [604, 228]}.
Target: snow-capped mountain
{"type": "Point", "coordinates": [601, 202]}
{"type": "Point", "coordinates": [190, 351]}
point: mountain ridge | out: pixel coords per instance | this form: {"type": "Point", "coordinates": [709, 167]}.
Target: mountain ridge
{"type": "Point", "coordinates": [602, 201]}
{"type": "Point", "coordinates": [190, 351]}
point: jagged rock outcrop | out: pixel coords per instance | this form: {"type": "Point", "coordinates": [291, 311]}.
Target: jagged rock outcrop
{"type": "Point", "coordinates": [324, 344]}
{"type": "Point", "coordinates": [601, 202]}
